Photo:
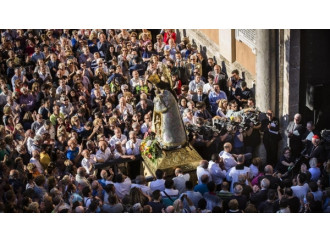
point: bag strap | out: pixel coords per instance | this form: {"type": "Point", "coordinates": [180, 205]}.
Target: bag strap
{"type": "Point", "coordinates": [168, 196]}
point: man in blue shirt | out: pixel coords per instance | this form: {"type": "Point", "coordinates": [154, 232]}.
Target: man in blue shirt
{"type": "Point", "coordinates": [202, 188]}
{"type": "Point", "coordinates": [37, 54]}
{"type": "Point", "coordinates": [73, 152]}
{"type": "Point", "coordinates": [214, 98]}
{"type": "Point", "coordinates": [102, 45]}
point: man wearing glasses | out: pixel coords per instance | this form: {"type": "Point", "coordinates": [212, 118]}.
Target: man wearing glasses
{"type": "Point", "coordinates": [193, 65]}
{"type": "Point", "coordinates": [166, 57]}
{"type": "Point", "coordinates": [185, 93]}
{"type": "Point", "coordinates": [148, 53]}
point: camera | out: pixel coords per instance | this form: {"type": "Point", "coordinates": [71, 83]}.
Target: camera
{"type": "Point", "coordinates": [208, 129]}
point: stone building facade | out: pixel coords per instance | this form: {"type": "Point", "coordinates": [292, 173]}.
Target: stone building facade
{"type": "Point", "coordinates": [282, 66]}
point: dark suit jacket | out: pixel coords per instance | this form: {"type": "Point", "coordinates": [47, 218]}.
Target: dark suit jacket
{"type": "Point", "coordinates": [295, 142]}
{"type": "Point", "coordinates": [143, 111]}
{"type": "Point", "coordinates": [205, 99]}
{"type": "Point", "coordinates": [257, 198]}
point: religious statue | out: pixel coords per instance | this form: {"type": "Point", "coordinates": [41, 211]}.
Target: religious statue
{"type": "Point", "coordinates": [168, 146]}
{"type": "Point", "coordinates": [167, 122]}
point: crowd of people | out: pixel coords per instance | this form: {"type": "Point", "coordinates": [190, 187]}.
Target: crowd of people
{"type": "Point", "coordinates": [76, 105]}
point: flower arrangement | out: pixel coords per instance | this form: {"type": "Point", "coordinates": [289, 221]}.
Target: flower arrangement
{"type": "Point", "coordinates": [150, 149]}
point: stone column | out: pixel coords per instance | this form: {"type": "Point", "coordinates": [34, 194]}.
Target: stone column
{"type": "Point", "coordinates": [265, 91]}
{"type": "Point", "coordinates": [265, 70]}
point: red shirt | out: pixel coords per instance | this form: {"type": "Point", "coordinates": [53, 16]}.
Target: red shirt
{"type": "Point", "coordinates": [178, 88]}
{"type": "Point", "coordinates": [168, 36]}
{"type": "Point", "coordinates": [29, 50]}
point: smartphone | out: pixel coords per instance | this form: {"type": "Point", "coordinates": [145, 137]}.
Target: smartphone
{"type": "Point", "coordinates": [84, 141]}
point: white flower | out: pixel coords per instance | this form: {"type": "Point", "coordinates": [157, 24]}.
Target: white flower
{"type": "Point", "coordinates": [149, 142]}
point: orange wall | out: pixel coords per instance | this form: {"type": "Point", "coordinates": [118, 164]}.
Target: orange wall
{"type": "Point", "coordinates": [213, 34]}
{"type": "Point", "coordinates": [245, 57]}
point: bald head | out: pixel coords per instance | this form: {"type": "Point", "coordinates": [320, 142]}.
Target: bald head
{"type": "Point", "coordinates": [297, 118]}
{"type": "Point", "coordinates": [170, 209]}
{"type": "Point", "coordinates": [79, 209]}
{"type": "Point", "coordinates": [269, 169]}
{"type": "Point", "coordinates": [204, 164]}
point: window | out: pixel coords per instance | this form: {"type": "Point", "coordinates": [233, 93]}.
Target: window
{"type": "Point", "coordinates": [247, 36]}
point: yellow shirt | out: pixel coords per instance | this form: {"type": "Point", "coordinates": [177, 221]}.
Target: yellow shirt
{"type": "Point", "coordinates": [44, 159]}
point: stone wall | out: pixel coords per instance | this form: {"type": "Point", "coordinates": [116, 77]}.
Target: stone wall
{"type": "Point", "coordinates": [210, 49]}
{"type": "Point", "coordinates": [289, 77]}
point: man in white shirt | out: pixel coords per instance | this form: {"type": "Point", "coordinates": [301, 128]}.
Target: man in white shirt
{"type": "Point", "coordinates": [216, 172]}
{"type": "Point", "coordinates": [35, 159]}
{"type": "Point", "coordinates": [133, 145]}
{"type": "Point", "coordinates": [124, 107]}
{"type": "Point", "coordinates": [47, 128]}
{"type": "Point", "coordinates": [180, 180]}
{"type": "Point", "coordinates": [169, 189]}
{"type": "Point", "coordinates": [238, 170]}
{"type": "Point", "coordinates": [81, 178]}
{"type": "Point", "coordinates": [228, 159]}
{"type": "Point", "coordinates": [88, 161]}
{"type": "Point", "coordinates": [30, 140]}
{"type": "Point", "coordinates": [104, 152]}
{"type": "Point", "coordinates": [193, 85]}
{"type": "Point", "coordinates": [63, 87]}
{"type": "Point", "coordinates": [202, 169]}
{"type": "Point", "coordinates": [122, 185]}
{"type": "Point", "coordinates": [118, 137]}
{"type": "Point", "coordinates": [135, 80]}
{"type": "Point", "coordinates": [188, 116]}
{"type": "Point", "coordinates": [208, 87]}
{"type": "Point", "coordinates": [140, 182]}
{"type": "Point", "coordinates": [159, 183]}
{"type": "Point", "coordinates": [133, 149]}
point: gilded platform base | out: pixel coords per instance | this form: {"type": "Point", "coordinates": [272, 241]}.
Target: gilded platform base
{"type": "Point", "coordinates": [186, 158]}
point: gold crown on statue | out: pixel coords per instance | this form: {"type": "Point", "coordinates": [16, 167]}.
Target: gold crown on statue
{"type": "Point", "coordinates": [154, 78]}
